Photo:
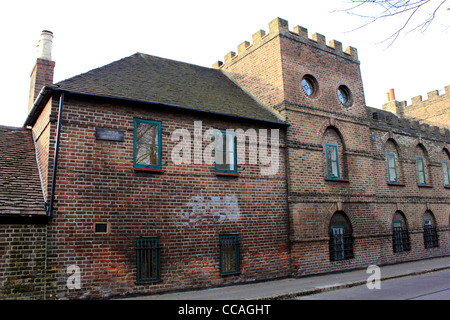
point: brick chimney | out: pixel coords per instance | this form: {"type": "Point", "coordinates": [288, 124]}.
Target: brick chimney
{"type": "Point", "coordinates": [42, 73]}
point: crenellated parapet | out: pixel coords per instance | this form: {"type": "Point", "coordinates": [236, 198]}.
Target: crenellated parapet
{"type": "Point", "coordinates": [280, 26]}
{"type": "Point", "coordinates": [434, 110]}
{"type": "Point", "coordinates": [389, 120]}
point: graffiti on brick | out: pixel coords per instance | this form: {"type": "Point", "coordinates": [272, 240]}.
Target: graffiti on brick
{"type": "Point", "coordinates": [204, 210]}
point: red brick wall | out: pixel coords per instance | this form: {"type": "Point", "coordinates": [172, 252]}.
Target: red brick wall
{"type": "Point", "coordinates": [96, 183]}
{"type": "Point", "coordinates": [41, 76]}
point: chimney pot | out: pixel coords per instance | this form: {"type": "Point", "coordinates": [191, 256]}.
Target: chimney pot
{"type": "Point", "coordinates": [392, 94]}
{"type": "Point", "coordinates": [44, 47]}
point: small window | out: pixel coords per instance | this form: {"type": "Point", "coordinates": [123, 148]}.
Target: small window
{"type": "Point", "coordinates": [446, 173]}
{"type": "Point", "coordinates": [147, 144]}
{"type": "Point", "coordinates": [400, 238]}
{"type": "Point", "coordinates": [341, 237]}
{"type": "Point", "coordinates": [147, 259]}
{"type": "Point", "coordinates": [229, 254]}
{"type": "Point", "coordinates": [430, 234]}
{"type": "Point", "coordinates": [225, 151]}
{"type": "Point", "coordinates": [100, 227]}
{"type": "Point", "coordinates": [343, 94]}
{"type": "Point", "coordinates": [421, 171]}
{"type": "Point", "coordinates": [309, 86]}
{"type": "Point", "coordinates": [341, 244]}
{"type": "Point", "coordinates": [332, 161]}
{"type": "Point", "coordinates": [392, 168]}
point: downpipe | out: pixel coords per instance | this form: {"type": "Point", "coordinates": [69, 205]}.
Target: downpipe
{"type": "Point", "coordinates": [49, 207]}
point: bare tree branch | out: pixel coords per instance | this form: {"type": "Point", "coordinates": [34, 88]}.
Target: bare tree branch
{"type": "Point", "coordinates": [398, 9]}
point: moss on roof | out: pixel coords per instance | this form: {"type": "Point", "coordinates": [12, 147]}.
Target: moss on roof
{"type": "Point", "coordinates": [153, 79]}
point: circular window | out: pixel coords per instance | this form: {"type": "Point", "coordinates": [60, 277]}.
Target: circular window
{"type": "Point", "coordinates": [309, 86]}
{"type": "Point", "coordinates": [344, 95]}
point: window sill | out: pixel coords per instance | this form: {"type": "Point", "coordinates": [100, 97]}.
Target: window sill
{"type": "Point", "coordinates": [338, 180]}
{"type": "Point", "coordinates": [396, 184]}
{"type": "Point", "coordinates": [225, 174]}
{"type": "Point", "coordinates": [147, 282]}
{"type": "Point", "coordinates": [148, 170]}
{"type": "Point", "coordinates": [424, 186]}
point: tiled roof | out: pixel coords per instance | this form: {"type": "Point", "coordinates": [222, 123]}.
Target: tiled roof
{"type": "Point", "coordinates": [147, 78]}
{"type": "Point", "coordinates": [20, 186]}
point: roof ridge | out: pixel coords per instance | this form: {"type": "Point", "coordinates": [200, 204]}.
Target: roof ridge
{"type": "Point", "coordinates": [98, 68]}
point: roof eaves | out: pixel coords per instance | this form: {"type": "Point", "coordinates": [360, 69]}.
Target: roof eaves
{"type": "Point", "coordinates": [47, 91]}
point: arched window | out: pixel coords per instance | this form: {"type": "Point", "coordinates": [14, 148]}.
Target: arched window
{"type": "Point", "coordinates": [334, 153]}
{"type": "Point", "coordinates": [400, 238]}
{"type": "Point", "coordinates": [422, 162]}
{"type": "Point", "coordinates": [445, 162]}
{"type": "Point", "coordinates": [394, 168]}
{"type": "Point", "coordinates": [430, 236]}
{"type": "Point", "coordinates": [341, 237]}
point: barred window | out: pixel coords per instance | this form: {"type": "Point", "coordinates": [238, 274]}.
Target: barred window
{"type": "Point", "coordinates": [430, 237]}
{"type": "Point", "coordinates": [147, 259]}
{"type": "Point", "coordinates": [229, 254]}
{"type": "Point", "coordinates": [341, 244]}
{"type": "Point", "coordinates": [400, 238]}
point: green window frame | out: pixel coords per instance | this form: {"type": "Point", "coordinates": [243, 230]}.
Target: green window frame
{"type": "Point", "coordinates": [148, 259]}
{"type": "Point", "coordinates": [446, 173]}
{"type": "Point", "coordinates": [147, 144]}
{"type": "Point", "coordinates": [392, 167]}
{"type": "Point", "coordinates": [229, 254]}
{"type": "Point", "coordinates": [420, 165]}
{"type": "Point", "coordinates": [225, 151]}
{"type": "Point", "coordinates": [332, 157]}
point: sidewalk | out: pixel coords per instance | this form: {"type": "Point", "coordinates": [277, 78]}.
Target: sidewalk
{"type": "Point", "coordinates": [285, 288]}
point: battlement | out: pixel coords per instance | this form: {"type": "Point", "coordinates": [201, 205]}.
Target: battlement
{"type": "Point", "coordinates": [416, 101]}
{"type": "Point", "coordinates": [434, 110]}
{"type": "Point", "coordinates": [280, 26]}
{"type": "Point", "coordinates": [432, 95]}
{"type": "Point", "coordinates": [388, 119]}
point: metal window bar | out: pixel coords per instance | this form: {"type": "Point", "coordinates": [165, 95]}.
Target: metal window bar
{"type": "Point", "coordinates": [341, 246]}
{"type": "Point", "coordinates": [229, 254]}
{"type": "Point", "coordinates": [430, 237]}
{"type": "Point", "coordinates": [147, 254]}
{"type": "Point", "coordinates": [400, 239]}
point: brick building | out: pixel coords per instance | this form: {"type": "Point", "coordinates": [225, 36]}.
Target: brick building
{"type": "Point", "coordinates": [433, 111]}
{"type": "Point", "coordinates": [138, 199]}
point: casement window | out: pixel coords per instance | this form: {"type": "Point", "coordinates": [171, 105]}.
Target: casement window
{"type": "Point", "coordinates": [147, 259]}
{"type": "Point", "coordinates": [400, 238]}
{"type": "Point", "coordinates": [332, 161]}
{"type": "Point", "coordinates": [420, 165]}
{"type": "Point", "coordinates": [430, 237]}
{"type": "Point", "coordinates": [446, 173]}
{"type": "Point", "coordinates": [392, 168]}
{"type": "Point", "coordinates": [225, 151]}
{"type": "Point", "coordinates": [147, 144]}
{"type": "Point", "coordinates": [229, 254]}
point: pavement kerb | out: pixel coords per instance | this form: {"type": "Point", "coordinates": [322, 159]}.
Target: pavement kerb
{"type": "Point", "coordinates": [346, 285]}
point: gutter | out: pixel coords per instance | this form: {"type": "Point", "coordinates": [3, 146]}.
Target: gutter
{"type": "Point", "coordinates": [47, 91]}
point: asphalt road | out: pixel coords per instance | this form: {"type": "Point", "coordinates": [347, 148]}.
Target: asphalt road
{"type": "Point", "coordinates": [429, 286]}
